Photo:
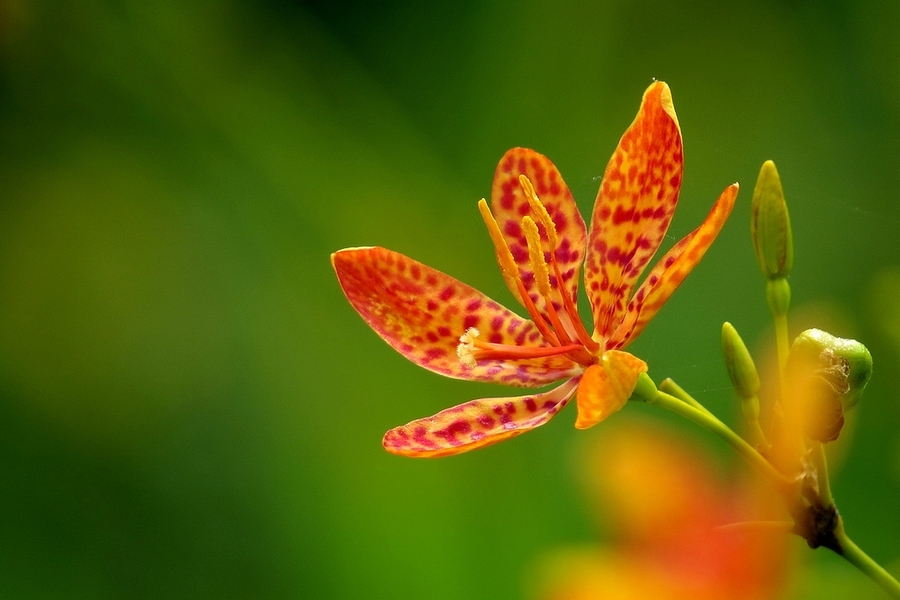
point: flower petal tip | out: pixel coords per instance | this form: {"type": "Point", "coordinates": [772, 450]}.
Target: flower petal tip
{"type": "Point", "coordinates": [346, 254]}
{"type": "Point", "coordinates": [660, 93]}
{"type": "Point", "coordinates": [414, 442]}
{"type": "Point", "coordinates": [665, 101]}
{"type": "Point", "coordinates": [397, 441]}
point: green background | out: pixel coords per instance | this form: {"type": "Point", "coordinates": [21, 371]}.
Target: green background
{"type": "Point", "coordinates": [189, 408]}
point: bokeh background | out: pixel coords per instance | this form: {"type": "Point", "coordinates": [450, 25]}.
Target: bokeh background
{"type": "Point", "coordinates": [188, 406]}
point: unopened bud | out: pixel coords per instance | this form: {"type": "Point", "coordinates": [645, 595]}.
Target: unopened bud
{"type": "Point", "coordinates": [770, 225]}
{"type": "Point", "coordinates": [828, 375]}
{"type": "Point", "coordinates": [744, 379]}
{"type": "Point", "coordinates": [739, 363]}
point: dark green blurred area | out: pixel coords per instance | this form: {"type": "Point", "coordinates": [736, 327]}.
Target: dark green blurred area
{"type": "Point", "coordinates": [188, 406]}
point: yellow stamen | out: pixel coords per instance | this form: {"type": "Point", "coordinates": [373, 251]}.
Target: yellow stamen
{"type": "Point", "coordinates": [542, 275]}
{"type": "Point", "coordinates": [536, 256]}
{"type": "Point", "coordinates": [511, 272]}
{"type": "Point", "coordinates": [540, 212]}
{"type": "Point", "coordinates": [507, 263]}
{"type": "Point", "coordinates": [550, 227]}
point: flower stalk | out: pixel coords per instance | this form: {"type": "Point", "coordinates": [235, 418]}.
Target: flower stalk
{"type": "Point", "coordinates": [862, 561]}
{"type": "Point", "coordinates": [710, 422]}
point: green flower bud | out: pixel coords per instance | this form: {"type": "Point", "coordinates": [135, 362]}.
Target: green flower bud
{"type": "Point", "coordinates": [770, 225]}
{"type": "Point", "coordinates": [846, 363]}
{"type": "Point", "coordinates": [828, 375]}
{"type": "Point", "coordinates": [739, 363]}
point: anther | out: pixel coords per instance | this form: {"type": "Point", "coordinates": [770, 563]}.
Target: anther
{"type": "Point", "coordinates": [540, 211]}
{"type": "Point", "coordinates": [508, 265]}
{"type": "Point", "coordinates": [511, 273]}
{"type": "Point", "coordinates": [543, 216]}
{"type": "Point", "coordinates": [536, 256]}
{"type": "Point", "coordinates": [466, 349]}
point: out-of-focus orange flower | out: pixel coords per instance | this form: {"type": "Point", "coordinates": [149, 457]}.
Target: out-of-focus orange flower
{"type": "Point", "coordinates": [678, 531]}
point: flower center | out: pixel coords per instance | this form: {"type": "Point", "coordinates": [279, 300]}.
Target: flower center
{"type": "Point", "coordinates": [563, 332]}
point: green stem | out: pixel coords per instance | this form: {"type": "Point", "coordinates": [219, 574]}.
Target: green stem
{"type": "Point", "coordinates": [673, 389]}
{"type": "Point", "coordinates": [781, 340]}
{"type": "Point", "coordinates": [708, 421]}
{"type": "Point", "coordinates": [818, 456]}
{"type": "Point", "coordinates": [759, 434]}
{"type": "Point", "coordinates": [778, 293]}
{"type": "Point", "coordinates": [862, 561]}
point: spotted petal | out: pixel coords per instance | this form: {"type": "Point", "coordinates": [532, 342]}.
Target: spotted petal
{"type": "Point", "coordinates": [476, 424]}
{"type": "Point", "coordinates": [605, 387]}
{"type": "Point", "coordinates": [422, 312]}
{"type": "Point", "coordinates": [634, 207]}
{"type": "Point", "coordinates": [509, 205]}
{"type": "Point", "coordinates": [670, 271]}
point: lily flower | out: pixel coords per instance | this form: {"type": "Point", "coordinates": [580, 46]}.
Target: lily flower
{"type": "Point", "coordinates": [541, 242]}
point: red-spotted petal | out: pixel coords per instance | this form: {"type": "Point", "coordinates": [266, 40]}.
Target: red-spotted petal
{"type": "Point", "coordinates": [634, 206]}
{"type": "Point", "coordinates": [509, 205]}
{"type": "Point", "coordinates": [476, 424]}
{"type": "Point", "coordinates": [606, 387]}
{"type": "Point", "coordinates": [422, 312]}
{"type": "Point", "coordinates": [670, 271]}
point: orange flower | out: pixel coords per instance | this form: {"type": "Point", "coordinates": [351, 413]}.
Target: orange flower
{"type": "Point", "coordinates": [673, 526]}
{"type": "Point", "coordinates": [541, 240]}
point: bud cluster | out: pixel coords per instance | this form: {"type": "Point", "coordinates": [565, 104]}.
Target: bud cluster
{"type": "Point", "coordinates": [822, 375]}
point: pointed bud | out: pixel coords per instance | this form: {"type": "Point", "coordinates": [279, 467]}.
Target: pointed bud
{"type": "Point", "coordinates": [739, 363]}
{"type": "Point", "coordinates": [827, 375]}
{"type": "Point", "coordinates": [770, 225]}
